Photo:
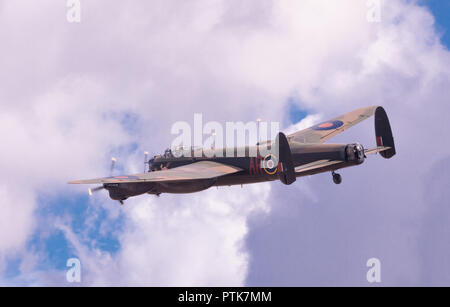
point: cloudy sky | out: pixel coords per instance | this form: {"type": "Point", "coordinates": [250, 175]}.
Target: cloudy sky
{"type": "Point", "coordinates": [75, 94]}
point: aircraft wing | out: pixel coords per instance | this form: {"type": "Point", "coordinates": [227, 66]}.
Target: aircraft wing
{"type": "Point", "coordinates": [326, 130]}
{"type": "Point", "coordinates": [193, 171]}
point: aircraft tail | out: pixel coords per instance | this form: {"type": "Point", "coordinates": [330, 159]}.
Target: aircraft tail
{"type": "Point", "coordinates": [383, 133]}
{"type": "Point", "coordinates": [287, 174]}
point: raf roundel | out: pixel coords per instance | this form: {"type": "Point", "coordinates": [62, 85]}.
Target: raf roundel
{"type": "Point", "coordinates": [270, 164]}
{"type": "Point", "coordinates": [330, 125]}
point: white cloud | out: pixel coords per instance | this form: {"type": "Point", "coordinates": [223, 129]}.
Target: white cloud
{"type": "Point", "coordinates": [66, 86]}
{"type": "Point", "coordinates": [195, 242]}
{"type": "Point", "coordinates": [16, 222]}
{"type": "Point", "coordinates": [168, 241]}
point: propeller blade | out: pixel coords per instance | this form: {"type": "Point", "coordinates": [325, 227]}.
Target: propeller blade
{"type": "Point", "coordinates": [113, 163]}
{"type": "Point", "coordinates": [145, 160]}
{"type": "Point", "coordinates": [92, 191]}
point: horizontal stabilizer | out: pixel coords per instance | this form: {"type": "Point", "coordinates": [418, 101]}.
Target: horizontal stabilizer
{"type": "Point", "coordinates": [315, 165]}
{"type": "Point", "coordinates": [376, 150]}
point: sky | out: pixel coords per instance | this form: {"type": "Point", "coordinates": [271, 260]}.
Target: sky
{"type": "Point", "coordinates": [75, 94]}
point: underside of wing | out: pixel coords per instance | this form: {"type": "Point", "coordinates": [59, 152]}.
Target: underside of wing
{"type": "Point", "coordinates": [326, 130]}
{"type": "Point", "coordinates": [315, 165]}
{"type": "Point", "coordinates": [193, 171]}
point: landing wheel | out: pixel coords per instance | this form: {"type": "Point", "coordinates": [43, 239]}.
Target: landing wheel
{"type": "Point", "coordinates": [337, 178]}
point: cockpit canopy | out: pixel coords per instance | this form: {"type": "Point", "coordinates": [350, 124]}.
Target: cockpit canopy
{"type": "Point", "coordinates": [168, 153]}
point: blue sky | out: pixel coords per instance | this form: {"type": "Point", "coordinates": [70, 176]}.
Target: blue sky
{"type": "Point", "coordinates": [134, 114]}
{"type": "Point", "coordinates": [441, 11]}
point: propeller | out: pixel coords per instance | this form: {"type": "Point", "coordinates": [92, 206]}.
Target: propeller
{"type": "Point", "coordinates": [99, 188]}
{"type": "Point", "coordinates": [93, 190]}
{"type": "Point", "coordinates": [113, 163]}
{"type": "Point", "coordinates": [145, 161]}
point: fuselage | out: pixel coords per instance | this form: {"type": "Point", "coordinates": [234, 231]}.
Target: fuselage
{"type": "Point", "coordinates": [254, 168]}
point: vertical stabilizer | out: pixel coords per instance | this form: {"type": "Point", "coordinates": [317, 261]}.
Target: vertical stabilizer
{"type": "Point", "coordinates": [383, 133]}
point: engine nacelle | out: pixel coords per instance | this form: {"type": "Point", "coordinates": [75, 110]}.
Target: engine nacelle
{"type": "Point", "coordinates": [121, 191]}
{"type": "Point", "coordinates": [355, 153]}
{"type": "Point", "coordinates": [185, 186]}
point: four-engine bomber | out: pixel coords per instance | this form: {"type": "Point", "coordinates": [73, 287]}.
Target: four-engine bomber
{"type": "Point", "coordinates": [299, 154]}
